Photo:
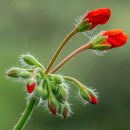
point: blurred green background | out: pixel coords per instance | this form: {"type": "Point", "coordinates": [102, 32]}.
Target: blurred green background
{"type": "Point", "coordinates": [37, 26]}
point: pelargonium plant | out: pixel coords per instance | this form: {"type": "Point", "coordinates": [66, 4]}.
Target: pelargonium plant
{"type": "Point", "coordinates": [44, 85]}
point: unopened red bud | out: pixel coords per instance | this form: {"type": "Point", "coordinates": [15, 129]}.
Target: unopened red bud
{"type": "Point", "coordinates": [94, 18]}
{"type": "Point", "coordinates": [109, 39]}
{"type": "Point", "coordinates": [53, 104]}
{"type": "Point", "coordinates": [94, 100]}
{"type": "Point", "coordinates": [31, 84]}
{"type": "Point", "coordinates": [98, 17]}
{"type": "Point", "coordinates": [93, 97]}
{"type": "Point", "coordinates": [66, 111]}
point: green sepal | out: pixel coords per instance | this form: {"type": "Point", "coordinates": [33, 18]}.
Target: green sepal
{"type": "Point", "coordinates": [58, 79]}
{"type": "Point", "coordinates": [45, 92]}
{"type": "Point", "coordinates": [61, 94]}
{"type": "Point", "coordinates": [26, 74]}
{"type": "Point", "coordinates": [84, 26]}
{"type": "Point", "coordinates": [53, 86]}
{"type": "Point", "coordinates": [92, 92]}
{"type": "Point", "coordinates": [98, 39]}
{"type": "Point", "coordinates": [84, 94]}
{"type": "Point", "coordinates": [42, 91]}
{"type": "Point", "coordinates": [61, 106]}
{"type": "Point", "coordinates": [101, 47]}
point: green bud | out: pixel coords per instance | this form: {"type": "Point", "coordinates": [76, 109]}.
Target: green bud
{"type": "Point", "coordinates": [45, 92]}
{"type": "Point", "coordinates": [51, 78]}
{"type": "Point", "coordinates": [42, 91]}
{"type": "Point", "coordinates": [26, 74]}
{"type": "Point", "coordinates": [61, 93]}
{"type": "Point", "coordinates": [84, 94]}
{"type": "Point", "coordinates": [14, 72]}
{"type": "Point", "coordinates": [53, 86]}
{"type": "Point", "coordinates": [38, 76]}
{"type": "Point", "coordinates": [30, 60]}
{"type": "Point", "coordinates": [58, 79]}
{"type": "Point", "coordinates": [61, 106]}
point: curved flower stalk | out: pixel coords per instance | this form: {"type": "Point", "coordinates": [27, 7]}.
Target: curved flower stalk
{"type": "Point", "coordinates": [43, 85]}
{"type": "Point", "coordinates": [89, 21]}
{"type": "Point", "coordinates": [103, 41]}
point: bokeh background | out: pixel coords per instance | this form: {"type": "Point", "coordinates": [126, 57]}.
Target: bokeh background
{"type": "Point", "coordinates": [37, 27]}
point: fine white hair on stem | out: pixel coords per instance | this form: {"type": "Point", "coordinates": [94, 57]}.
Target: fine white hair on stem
{"type": "Point", "coordinates": [93, 89]}
{"type": "Point", "coordinates": [78, 20]}
{"type": "Point", "coordinates": [100, 53]}
{"type": "Point", "coordinates": [80, 99]}
{"type": "Point", "coordinates": [92, 33]}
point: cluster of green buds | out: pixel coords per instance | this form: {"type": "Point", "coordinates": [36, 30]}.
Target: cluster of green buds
{"type": "Point", "coordinates": [49, 88]}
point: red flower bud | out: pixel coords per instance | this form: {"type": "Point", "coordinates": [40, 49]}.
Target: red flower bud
{"type": "Point", "coordinates": [53, 104]}
{"type": "Point", "coordinates": [115, 38]}
{"type": "Point", "coordinates": [66, 111]}
{"type": "Point", "coordinates": [93, 99]}
{"type": "Point", "coordinates": [53, 109]}
{"type": "Point", "coordinates": [109, 39]}
{"type": "Point", "coordinates": [31, 84]}
{"type": "Point", "coordinates": [98, 16]}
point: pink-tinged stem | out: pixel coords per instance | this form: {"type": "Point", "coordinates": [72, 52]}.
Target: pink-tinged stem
{"type": "Point", "coordinates": [64, 42]}
{"type": "Point", "coordinates": [69, 57]}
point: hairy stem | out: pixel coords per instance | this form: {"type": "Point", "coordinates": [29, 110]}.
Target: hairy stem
{"type": "Point", "coordinates": [27, 113]}
{"type": "Point", "coordinates": [59, 49]}
{"type": "Point", "coordinates": [69, 57]}
{"type": "Point", "coordinates": [74, 81]}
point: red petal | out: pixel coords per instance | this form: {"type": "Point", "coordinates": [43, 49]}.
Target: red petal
{"type": "Point", "coordinates": [99, 16]}
{"type": "Point", "coordinates": [93, 99]}
{"type": "Point", "coordinates": [53, 109]}
{"type": "Point", "coordinates": [116, 37]}
{"type": "Point", "coordinates": [30, 88]}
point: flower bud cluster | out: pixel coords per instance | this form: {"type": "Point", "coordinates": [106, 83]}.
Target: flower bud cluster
{"type": "Point", "coordinates": [49, 88]}
{"type": "Point", "coordinates": [53, 90]}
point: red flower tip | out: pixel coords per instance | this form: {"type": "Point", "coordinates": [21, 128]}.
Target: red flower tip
{"type": "Point", "coordinates": [115, 38]}
{"type": "Point", "coordinates": [94, 100]}
{"type": "Point", "coordinates": [98, 16]}
{"type": "Point", "coordinates": [65, 113]}
{"type": "Point", "coordinates": [53, 109]}
{"type": "Point", "coordinates": [30, 87]}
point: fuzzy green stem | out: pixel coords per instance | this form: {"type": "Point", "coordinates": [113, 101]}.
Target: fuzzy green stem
{"type": "Point", "coordinates": [60, 49]}
{"type": "Point", "coordinates": [27, 113]}
{"type": "Point", "coordinates": [75, 81]}
{"type": "Point", "coordinates": [69, 57]}
{"type": "Point", "coordinates": [48, 85]}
